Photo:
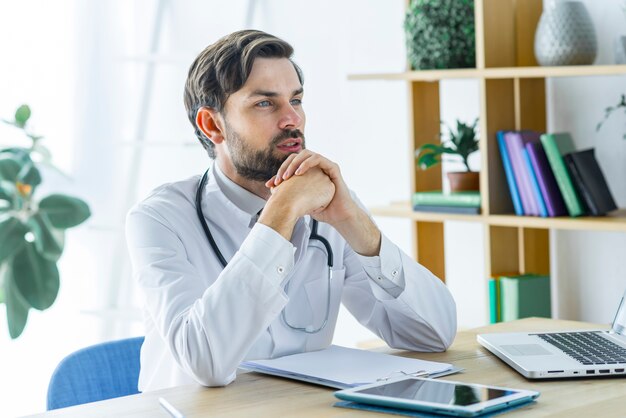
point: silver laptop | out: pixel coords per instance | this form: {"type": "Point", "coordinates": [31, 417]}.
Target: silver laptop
{"type": "Point", "coordinates": [549, 355]}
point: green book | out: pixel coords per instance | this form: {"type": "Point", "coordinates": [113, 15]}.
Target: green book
{"type": "Point", "coordinates": [555, 146]}
{"type": "Point", "coordinates": [438, 198]}
{"type": "Point", "coordinates": [524, 296]}
{"type": "Point", "coordinates": [494, 300]}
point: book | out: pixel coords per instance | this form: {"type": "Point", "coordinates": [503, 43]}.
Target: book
{"type": "Point", "coordinates": [508, 172]}
{"type": "Point", "coordinates": [543, 212]}
{"type": "Point", "coordinates": [552, 197]}
{"type": "Point", "coordinates": [588, 178]}
{"type": "Point", "coordinates": [524, 295]}
{"type": "Point", "coordinates": [494, 300]}
{"type": "Point", "coordinates": [438, 198]}
{"type": "Point", "coordinates": [467, 210]}
{"type": "Point", "coordinates": [555, 146]}
{"type": "Point", "coordinates": [342, 367]}
{"type": "Point", "coordinates": [515, 142]}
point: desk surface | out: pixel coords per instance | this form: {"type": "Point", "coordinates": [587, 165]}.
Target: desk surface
{"type": "Point", "coordinates": [265, 396]}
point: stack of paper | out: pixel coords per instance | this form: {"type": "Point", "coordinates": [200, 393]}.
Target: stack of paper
{"type": "Point", "coordinates": [341, 367]}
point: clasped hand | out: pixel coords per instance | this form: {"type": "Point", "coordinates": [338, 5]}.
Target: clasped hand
{"type": "Point", "coordinates": [314, 186]}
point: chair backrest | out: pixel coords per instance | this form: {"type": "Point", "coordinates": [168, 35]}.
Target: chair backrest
{"type": "Point", "coordinates": [95, 373]}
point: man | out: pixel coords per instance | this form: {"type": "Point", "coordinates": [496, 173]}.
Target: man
{"type": "Point", "coordinates": [254, 281]}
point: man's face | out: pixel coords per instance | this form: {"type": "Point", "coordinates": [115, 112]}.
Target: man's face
{"type": "Point", "coordinates": [264, 120]}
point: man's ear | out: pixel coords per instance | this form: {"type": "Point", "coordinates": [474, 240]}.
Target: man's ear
{"type": "Point", "coordinates": [208, 120]}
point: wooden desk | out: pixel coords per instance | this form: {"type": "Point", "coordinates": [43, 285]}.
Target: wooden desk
{"type": "Point", "coordinates": [255, 395]}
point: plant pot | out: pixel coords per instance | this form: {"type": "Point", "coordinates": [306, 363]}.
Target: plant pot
{"type": "Point", "coordinates": [461, 181]}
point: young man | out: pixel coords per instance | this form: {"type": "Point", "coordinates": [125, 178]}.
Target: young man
{"type": "Point", "coordinates": [254, 260]}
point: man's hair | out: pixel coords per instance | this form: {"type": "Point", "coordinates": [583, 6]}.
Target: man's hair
{"type": "Point", "coordinates": [223, 68]}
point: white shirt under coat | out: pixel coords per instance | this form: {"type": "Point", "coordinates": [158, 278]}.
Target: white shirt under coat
{"type": "Point", "coordinates": [202, 320]}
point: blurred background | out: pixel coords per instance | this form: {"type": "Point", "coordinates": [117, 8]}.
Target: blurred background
{"type": "Point", "coordinates": [104, 80]}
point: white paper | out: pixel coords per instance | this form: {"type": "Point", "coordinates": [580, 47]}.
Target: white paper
{"type": "Point", "coordinates": [344, 367]}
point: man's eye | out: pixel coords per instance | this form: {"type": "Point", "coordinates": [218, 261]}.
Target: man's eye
{"type": "Point", "coordinates": [296, 102]}
{"type": "Point", "coordinates": [264, 103]}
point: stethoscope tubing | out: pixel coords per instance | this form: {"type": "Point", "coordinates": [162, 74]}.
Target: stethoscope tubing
{"type": "Point", "coordinates": [314, 236]}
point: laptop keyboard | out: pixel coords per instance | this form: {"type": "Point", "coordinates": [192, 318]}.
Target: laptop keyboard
{"type": "Point", "coordinates": [587, 347]}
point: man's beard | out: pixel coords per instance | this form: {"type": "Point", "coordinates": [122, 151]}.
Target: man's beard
{"type": "Point", "coordinates": [258, 165]}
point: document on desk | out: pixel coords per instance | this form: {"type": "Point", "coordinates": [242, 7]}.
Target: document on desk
{"type": "Point", "coordinates": [341, 367]}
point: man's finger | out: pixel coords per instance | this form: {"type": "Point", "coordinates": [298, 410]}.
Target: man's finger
{"type": "Point", "coordinates": [297, 163]}
{"type": "Point", "coordinates": [279, 175]}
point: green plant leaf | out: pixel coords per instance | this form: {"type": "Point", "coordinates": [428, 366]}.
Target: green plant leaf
{"type": "Point", "coordinates": [64, 211]}
{"type": "Point", "coordinates": [9, 167]}
{"type": "Point", "coordinates": [36, 277]}
{"type": "Point", "coordinates": [22, 114]}
{"type": "Point", "coordinates": [429, 147]}
{"type": "Point", "coordinates": [16, 165]}
{"type": "Point", "coordinates": [12, 232]}
{"type": "Point", "coordinates": [428, 160]}
{"type": "Point", "coordinates": [29, 174]}
{"type": "Point", "coordinates": [17, 306]}
{"type": "Point", "coordinates": [49, 241]}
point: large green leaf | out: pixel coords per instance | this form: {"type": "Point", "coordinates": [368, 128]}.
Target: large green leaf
{"type": "Point", "coordinates": [49, 240]}
{"type": "Point", "coordinates": [36, 277]}
{"type": "Point", "coordinates": [12, 232]}
{"type": "Point", "coordinates": [16, 165]}
{"type": "Point", "coordinates": [9, 167]}
{"type": "Point", "coordinates": [22, 114]}
{"type": "Point", "coordinates": [17, 306]}
{"type": "Point", "coordinates": [64, 211]}
{"type": "Point", "coordinates": [29, 174]}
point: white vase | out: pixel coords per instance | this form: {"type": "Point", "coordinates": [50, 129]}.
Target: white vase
{"type": "Point", "coordinates": [565, 35]}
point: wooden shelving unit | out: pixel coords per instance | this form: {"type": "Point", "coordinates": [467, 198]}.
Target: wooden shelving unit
{"type": "Point", "coordinates": [512, 89]}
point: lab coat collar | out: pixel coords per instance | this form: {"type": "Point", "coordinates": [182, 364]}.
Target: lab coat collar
{"type": "Point", "coordinates": [242, 198]}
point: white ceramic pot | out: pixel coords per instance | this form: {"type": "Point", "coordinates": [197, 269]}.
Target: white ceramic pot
{"type": "Point", "coordinates": [565, 35]}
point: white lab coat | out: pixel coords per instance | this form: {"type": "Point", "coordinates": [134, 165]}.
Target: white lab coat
{"type": "Point", "coordinates": [202, 320]}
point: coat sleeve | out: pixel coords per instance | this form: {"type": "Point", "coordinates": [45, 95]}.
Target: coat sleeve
{"type": "Point", "coordinates": [208, 328]}
{"type": "Point", "coordinates": [416, 313]}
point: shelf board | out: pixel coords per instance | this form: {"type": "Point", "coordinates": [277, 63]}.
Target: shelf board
{"type": "Point", "coordinates": [616, 222]}
{"type": "Point", "coordinates": [403, 210]}
{"type": "Point", "coordinates": [495, 73]}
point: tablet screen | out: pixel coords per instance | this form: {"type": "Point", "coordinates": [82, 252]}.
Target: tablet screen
{"type": "Point", "coordinates": [434, 391]}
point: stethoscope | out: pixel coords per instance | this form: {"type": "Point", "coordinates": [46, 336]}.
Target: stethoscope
{"type": "Point", "coordinates": [314, 236]}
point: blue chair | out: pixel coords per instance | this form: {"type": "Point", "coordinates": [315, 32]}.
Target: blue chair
{"type": "Point", "coordinates": [95, 373]}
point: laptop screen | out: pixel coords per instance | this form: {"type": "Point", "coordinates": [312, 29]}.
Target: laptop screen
{"type": "Point", "coordinates": [619, 323]}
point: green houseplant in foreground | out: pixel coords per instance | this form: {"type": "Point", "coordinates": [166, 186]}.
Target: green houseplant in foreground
{"type": "Point", "coordinates": [31, 230]}
{"type": "Point", "coordinates": [461, 143]}
{"type": "Point", "coordinates": [440, 34]}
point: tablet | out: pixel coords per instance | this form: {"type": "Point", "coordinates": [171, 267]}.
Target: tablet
{"type": "Point", "coordinates": [438, 396]}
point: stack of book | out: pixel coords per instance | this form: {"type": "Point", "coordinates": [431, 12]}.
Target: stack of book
{"type": "Point", "coordinates": [438, 201]}
{"type": "Point", "coordinates": [516, 296]}
{"type": "Point", "coordinates": [548, 177]}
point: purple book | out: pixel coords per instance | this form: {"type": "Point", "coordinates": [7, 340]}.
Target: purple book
{"type": "Point", "coordinates": [547, 182]}
{"type": "Point", "coordinates": [515, 142]}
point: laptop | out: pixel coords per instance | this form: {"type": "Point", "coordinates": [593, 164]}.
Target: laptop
{"type": "Point", "coordinates": [549, 355]}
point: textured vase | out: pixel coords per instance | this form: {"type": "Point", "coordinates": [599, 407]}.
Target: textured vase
{"type": "Point", "coordinates": [565, 35]}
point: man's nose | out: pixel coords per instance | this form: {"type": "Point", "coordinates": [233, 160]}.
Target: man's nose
{"type": "Point", "coordinates": [290, 118]}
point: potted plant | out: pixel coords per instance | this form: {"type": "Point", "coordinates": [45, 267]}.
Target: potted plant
{"type": "Point", "coordinates": [31, 230]}
{"type": "Point", "coordinates": [461, 143]}
{"type": "Point", "coordinates": [440, 34]}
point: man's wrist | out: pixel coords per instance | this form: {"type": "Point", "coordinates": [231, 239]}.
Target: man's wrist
{"type": "Point", "coordinates": [280, 216]}
{"type": "Point", "coordinates": [361, 233]}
